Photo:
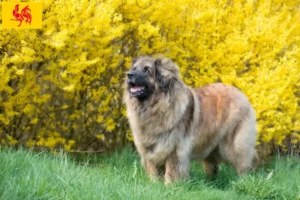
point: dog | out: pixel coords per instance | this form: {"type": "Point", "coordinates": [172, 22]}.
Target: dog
{"type": "Point", "coordinates": [172, 123]}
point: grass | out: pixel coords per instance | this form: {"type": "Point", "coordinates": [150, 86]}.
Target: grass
{"type": "Point", "coordinates": [29, 175]}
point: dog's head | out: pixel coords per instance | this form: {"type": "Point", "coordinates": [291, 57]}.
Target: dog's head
{"type": "Point", "coordinates": [151, 75]}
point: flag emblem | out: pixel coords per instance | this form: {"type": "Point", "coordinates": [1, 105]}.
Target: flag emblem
{"type": "Point", "coordinates": [21, 15]}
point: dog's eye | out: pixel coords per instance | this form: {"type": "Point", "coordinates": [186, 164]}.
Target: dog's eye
{"type": "Point", "coordinates": [146, 69]}
{"type": "Point", "coordinates": [134, 68]}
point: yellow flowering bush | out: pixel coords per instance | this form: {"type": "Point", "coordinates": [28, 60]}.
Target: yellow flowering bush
{"type": "Point", "coordinates": [61, 86]}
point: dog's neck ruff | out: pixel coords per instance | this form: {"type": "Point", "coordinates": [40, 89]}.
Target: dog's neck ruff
{"type": "Point", "coordinates": [164, 110]}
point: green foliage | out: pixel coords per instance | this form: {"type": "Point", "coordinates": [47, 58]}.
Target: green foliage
{"type": "Point", "coordinates": [259, 187]}
{"type": "Point", "coordinates": [61, 86]}
{"type": "Point", "coordinates": [31, 176]}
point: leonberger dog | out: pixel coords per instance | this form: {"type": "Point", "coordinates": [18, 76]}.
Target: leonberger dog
{"type": "Point", "coordinates": [172, 123]}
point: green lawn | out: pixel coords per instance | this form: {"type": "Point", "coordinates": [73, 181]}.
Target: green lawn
{"type": "Point", "coordinates": [29, 175]}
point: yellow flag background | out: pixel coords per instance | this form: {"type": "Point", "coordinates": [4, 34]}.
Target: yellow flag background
{"type": "Point", "coordinates": [9, 20]}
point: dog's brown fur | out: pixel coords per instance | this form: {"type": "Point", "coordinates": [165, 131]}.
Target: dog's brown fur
{"type": "Point", "coordinates": [215, 123]}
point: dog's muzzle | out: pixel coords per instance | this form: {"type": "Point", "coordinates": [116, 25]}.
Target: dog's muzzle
{"type": "Point", "coordinates": [137, 82]}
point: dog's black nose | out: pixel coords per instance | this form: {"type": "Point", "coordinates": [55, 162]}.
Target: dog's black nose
{"type": "Point", "coordinates": [130, 75]}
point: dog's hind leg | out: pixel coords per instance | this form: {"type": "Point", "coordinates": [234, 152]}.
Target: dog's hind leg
{"type": "Point", "coordinates": [211, 163]}
{"type": "Point", "coordinates": [210, 168]}
{"type": "Point", "coordinates": [242, 152]}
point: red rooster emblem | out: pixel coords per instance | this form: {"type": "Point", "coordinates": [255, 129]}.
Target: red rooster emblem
{"type": "Point", "coordinates": [24, 15]}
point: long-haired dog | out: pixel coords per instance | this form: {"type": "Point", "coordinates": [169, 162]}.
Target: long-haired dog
{"type": "Point", "coordinates": [173, 123]}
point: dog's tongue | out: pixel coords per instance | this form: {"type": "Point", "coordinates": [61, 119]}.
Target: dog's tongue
{"type": "Point", "coordinates": [136, 89]}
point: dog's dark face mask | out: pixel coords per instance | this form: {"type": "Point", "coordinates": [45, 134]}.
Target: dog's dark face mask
{"type": "Point", "coordinates": [145, 78]}
{"type": "Point", "coordinates": [140, 79]}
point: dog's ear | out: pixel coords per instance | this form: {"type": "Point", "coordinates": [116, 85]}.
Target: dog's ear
{"type": "Point", "coordinates": [162, 81]}
{"type": "Point", "coordinates": [133, 61]}
{"type": "Point", "coordinates": [158, 62]}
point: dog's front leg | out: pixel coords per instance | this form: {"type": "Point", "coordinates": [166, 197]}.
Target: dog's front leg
{"type": "Point", "coordinates": [176, 168]}
{"type": "Point", "coordinates": [151, 170]}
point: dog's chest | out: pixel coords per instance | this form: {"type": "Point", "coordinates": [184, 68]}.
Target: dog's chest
{"type": "Point", "coordinates": [159, 147]}
{"type": "Point", "coordinates": [156, 123]}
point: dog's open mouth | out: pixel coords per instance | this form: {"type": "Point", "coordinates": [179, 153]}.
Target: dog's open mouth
{"type": "Point", "coordinates": [136, 90]}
